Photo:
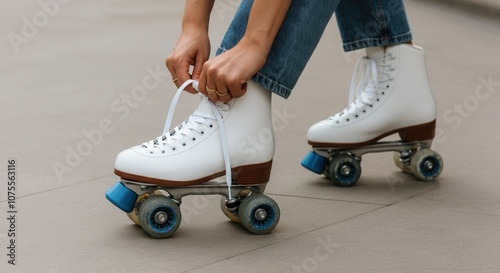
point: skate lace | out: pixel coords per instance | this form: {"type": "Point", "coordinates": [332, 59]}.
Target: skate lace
{"type": "Point", "coordinates": [178, 135]}
{"type": "Point", "coordinates": [366, 86]}
{"type": "Point", "coordinates": [195, 122]}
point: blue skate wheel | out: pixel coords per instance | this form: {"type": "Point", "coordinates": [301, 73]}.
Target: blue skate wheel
{"type": "Point", "coordinates": [315, 163]}
{"type": "Point", "coordinates": [122, 197]}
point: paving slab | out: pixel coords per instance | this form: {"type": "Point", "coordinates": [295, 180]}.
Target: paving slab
{"type": "Point", "coordinates": [68, 107]}
{"type": "Point", "coordinates": [411, 236]}
{"type": "Point", "coordinates": [477, 7]}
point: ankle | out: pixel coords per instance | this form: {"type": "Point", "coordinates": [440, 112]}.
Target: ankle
{"type": "Point", "coordinates": [405, 43]}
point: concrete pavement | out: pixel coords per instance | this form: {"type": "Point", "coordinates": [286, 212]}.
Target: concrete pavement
{"type": "Point", "coordinates": [70, 103]}
{"type": "Point", "coordinates": [480, 7]}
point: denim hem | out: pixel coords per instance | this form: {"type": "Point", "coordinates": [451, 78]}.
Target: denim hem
{"type": "Point", "coordinates": [272, 86]}
{"type": "Point", "coordinates": [371, 42]}
{"type": "Point", "coordinates": [265, 82]}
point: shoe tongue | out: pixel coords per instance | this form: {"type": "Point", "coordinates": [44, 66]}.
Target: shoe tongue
{"type": "Point", "coordinates": [374, 51]}
{"type": "Point", "coordinates": [205, 107]}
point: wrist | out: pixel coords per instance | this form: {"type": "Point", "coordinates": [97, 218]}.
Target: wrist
{"type": "Point", "coordinates": [260, 40]}
{"type": "Point", "coordinates": [258, 47]}
{"type": "Point", "coordinates": [197, 14]}
{"type": "Point", "coordinates": [195, 28]}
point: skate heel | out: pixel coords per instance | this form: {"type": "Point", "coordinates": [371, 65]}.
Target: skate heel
{"type": "Point", "coordinates": [420, 132]}
{"type": "Point", "coordinates": [252, 174]}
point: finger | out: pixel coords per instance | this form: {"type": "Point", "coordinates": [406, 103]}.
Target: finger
{"type": "Point", "coordinates": [171, 69]}
{"type": "Point", "coordinates": [196, 74]}
{"type": "Point", "coordinates": [182, 69]}
{"type": "Point", "coordinates": [202, 83]}
{"type": "Point", "coordinates": [237, 89]}
{"type": "Point", "coordinates": [222, 93]}
{"type": "Point", "coordinates": [207, 82]}
{"type": "Point", "coordinates": [198, 66]}
{"type": "Point", "coordinates": [225, 96]}
{"type": "Point", "coordinates": [211, 91]}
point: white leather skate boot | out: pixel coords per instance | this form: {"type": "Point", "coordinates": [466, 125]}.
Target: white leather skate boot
{"type": "Point", "coordinates": [393, 96]}
{"type": "Point", "coordinates": [193, 152]}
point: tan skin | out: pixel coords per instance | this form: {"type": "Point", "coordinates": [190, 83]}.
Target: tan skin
{"type": "Point", "coordinates": [228, 72]}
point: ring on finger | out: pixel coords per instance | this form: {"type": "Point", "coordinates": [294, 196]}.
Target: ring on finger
{"type": "Point", "coordinates": [210, 90]}
{"type": "Point", "coordinates": [221, 94]}
{"type": "Point", "coordinates": [174, 80]}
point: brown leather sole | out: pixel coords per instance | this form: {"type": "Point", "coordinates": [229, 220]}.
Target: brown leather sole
{"type": "Point", "coordinates": [242, 175]}
{"type": "Point", "coordinates": [419, 132]}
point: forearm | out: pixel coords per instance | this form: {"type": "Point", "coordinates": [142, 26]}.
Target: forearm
{"type": "Point", "coordinates": [197, 14]}
{"type": "Point", "coordinates": [264, 22]}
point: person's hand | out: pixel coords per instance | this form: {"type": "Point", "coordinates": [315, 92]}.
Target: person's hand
{"type": "Point", "coordinates": [192, 49]}
{"type": "Point", "coordinates": [224, 77]}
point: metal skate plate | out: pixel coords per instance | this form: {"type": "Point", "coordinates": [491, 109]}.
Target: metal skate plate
{"type": "Point", "coordinates": [383, 146]}
{"type": "Point", "coordinates": [207, 188]}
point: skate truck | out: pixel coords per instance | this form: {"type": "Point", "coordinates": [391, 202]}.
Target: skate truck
{"type": "Point", "coordinates": [343, 165]}
{"type": "Point", "coordinates": [156, 207]}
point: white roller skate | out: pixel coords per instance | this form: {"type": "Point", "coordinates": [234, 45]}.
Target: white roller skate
{"type": "Point", "coordinates": [393, 96]}
{"type": "Point", "coordinates": [185, 160]}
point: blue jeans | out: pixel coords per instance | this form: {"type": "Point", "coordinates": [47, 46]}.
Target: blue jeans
{"type": "Point", "coordinates": [362, 23]}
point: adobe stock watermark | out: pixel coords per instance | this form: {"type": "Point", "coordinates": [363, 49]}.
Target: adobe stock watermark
{"type": "Point", "coordinates": [121, 107]}
{"type": "Point", "coordinates": [200, 203]}
{"type": "Point", "coordinates": [31, 26]}
{"type": "Point", "coordinates": [253, 144]}
{"type": "Point", "coordinates": [122, 270]}
{"type": "Point", "coordinates": [384, 17]}
{"type": "Point", "coordinates": [200, 200]}
{"type": "Point", "coordinates": [372, 29]}
{"type": "Point", "coordinates": [322, 252]}
{"type": "Point", "coordinates": [456, 115]}
{"type": "Point", "coordinates": [393, 179]}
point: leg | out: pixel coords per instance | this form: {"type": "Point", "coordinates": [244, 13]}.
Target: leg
{"type": "Point", "coordinates": [394, 77]}
{"type": "Point", "coordinates": [193, 154]}
{"type": "Point", "coordinates": [390, 91]}
{"type": "Point", "coordinates": [294, 44]}
{"type": "Point", "coordinates": [369, 23]}
{"type": "Point", "coordinates": [196, 151]}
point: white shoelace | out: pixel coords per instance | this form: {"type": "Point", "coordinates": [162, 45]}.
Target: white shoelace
{"type": "Point", "coordinates": [172, 138]}
{"type": "Point", "coordinates": [365, 86]}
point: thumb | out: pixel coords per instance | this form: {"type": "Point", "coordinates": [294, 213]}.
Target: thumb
{"type": "Point", "coordinates": [198, 66]}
